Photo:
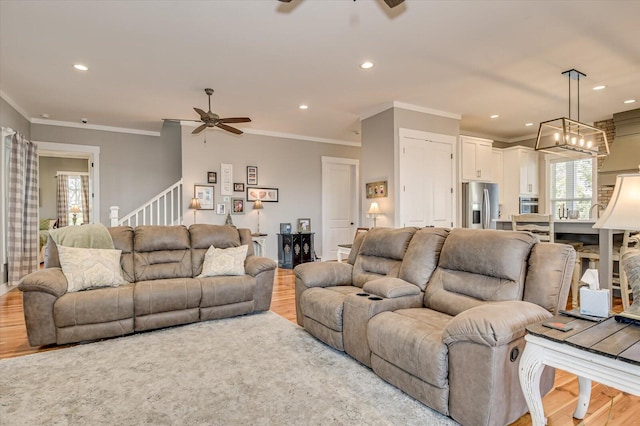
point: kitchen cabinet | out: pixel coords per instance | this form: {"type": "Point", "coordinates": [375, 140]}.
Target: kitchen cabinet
{"type": "Point", "coordinates": [497, 171]}
{"type": "Point", "coordinates": [476, 159]}
{"type": "Point", "coordinates": [294, 249]}
{"type": "Point", "coordinates": [520, 167]}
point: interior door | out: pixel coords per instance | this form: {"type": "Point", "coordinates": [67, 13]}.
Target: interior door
{"type": "Point", "coordinates": [426, 182]}
{"type": "Point", "coordinates": [339, 204]}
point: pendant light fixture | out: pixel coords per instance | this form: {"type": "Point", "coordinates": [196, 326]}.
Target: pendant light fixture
{"type": "Point", "coordinates": [568, 137]}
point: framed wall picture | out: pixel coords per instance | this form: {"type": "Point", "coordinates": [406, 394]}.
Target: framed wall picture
{"type": "Point", "coordinates": [204, 193]}
{"type": "Point", "coordinates": [285, 228]}
{"type": "Point", "coordinates": [376, 189]}
{"type": "Point", "coordinates": [252, 175]}
{"type": "Point", "coordinates": [237, 206]}
{"type": "Point", "coordinates": [266, 195]}
{"type": "Point", "coordinates": [221, 208]}
{"type": "Point", "coordinates": [238, 187]}
{"type": "Point", "coordinates": [212, 177]}
{"type": "Point", "coordinates": [226, 179]}
{"type": "Point", "coordinates": [304, 225]}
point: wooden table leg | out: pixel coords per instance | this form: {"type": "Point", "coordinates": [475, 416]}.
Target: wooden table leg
{"type": "Point", "coordinates": [530, 371]}
{"type": "Point", "coordinates": [584, 396]}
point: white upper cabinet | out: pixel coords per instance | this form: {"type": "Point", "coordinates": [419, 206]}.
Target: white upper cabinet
{"type": "Point", "coordinates": [476, 159]}
{"type": "Point", "coordinates": [520, 166]}
{"type": "Point", "coordinates": [497, 171]}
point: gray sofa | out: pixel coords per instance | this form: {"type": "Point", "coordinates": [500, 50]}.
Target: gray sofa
{"type": "Point", "coordinates": [440, 313]}
{"type": "Point", "coordinates": [161, 264]}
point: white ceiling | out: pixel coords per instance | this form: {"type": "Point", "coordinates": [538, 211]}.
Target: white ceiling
{"type": "Point", "coordinates": [152, 59]}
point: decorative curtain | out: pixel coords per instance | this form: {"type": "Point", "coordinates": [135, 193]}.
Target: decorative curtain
{"type": "Point", "coordinates": [22, 220]}
{"type": "Point", "coordinates": [85, 199]}
{"type": "Point", "coordinates": [62, 200]}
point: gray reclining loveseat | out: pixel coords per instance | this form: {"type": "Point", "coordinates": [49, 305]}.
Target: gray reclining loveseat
{"type": "Point", "coordinates": [439, 313]}
{"type": "Point", "coordinates": [161, 265]}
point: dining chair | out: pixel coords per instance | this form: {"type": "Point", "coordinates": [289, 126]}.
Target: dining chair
{"type": "Point", "coordinates": [541, 225]}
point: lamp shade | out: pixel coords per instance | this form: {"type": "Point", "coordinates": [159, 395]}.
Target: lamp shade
{"type": "Point", "coordinates": [257, 205]}
{"type": "Point", "coordinates": [623, 211]}
{"type": "Point", "coordinates": [195, 204]}
{"type": "Point", "coordinates": [374, 209]}
{"type": "Point", "coordinates": [74, 208]}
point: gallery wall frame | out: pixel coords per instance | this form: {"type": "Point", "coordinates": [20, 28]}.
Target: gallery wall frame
{"type": "Point", "coordinates": [226, 179]}
{"type": "Point", "coordinates": [376, 189]}
{"type": "Point", "coordinates": [204, 193]}
{"type": "Point", "coordinates": [252, 175]}
{"type": "Point", "coordinates": [266, 195]}
{"type": "Point", "coordinates": [238, 187]}
{"type": "Point", "coordinates": [212, 177]}
{"type": "Point", "coordinates": [237, 206]}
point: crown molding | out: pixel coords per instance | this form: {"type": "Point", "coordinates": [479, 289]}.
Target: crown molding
{"type": "Point", "coordinates": [521, 138]}
{"type": "Point", "coordinates": [14, 105]}
{"type": "Point", "coordinates": [395, 104]}
{"type": "Point", "coordinates": [94, 127]}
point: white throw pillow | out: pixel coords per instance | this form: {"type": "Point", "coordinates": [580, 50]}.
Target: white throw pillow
{"type": "Point", "coordinates": [229, 261]}
{"type": "Point", "coordinates": [88, 268]}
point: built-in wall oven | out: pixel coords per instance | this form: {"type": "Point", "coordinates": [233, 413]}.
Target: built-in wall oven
{"type": "Point", "coordinates": [528, 205]}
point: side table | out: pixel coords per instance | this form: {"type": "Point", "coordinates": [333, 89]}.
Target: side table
{"type": "Point", "coordinates": [259, 244]}
{"type": "Point", "coordinates": [607, 352]}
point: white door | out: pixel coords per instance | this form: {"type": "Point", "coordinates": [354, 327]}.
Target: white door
{"type": "Point", "coordinates": [426, 181]}
{"type": "Point", "coordinates": [339, 203]}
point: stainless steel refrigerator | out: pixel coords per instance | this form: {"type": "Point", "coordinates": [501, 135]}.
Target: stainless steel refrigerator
{"type": "Point", "coordinates": [479, 205]}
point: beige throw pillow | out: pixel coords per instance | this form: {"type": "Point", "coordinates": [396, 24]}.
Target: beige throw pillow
{"type": "Point", "coordinates": [89, 268]}
{"type": "Point", "coordinates": [229, 261]}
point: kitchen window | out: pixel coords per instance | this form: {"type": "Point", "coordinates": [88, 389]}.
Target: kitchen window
{"type": "Point", "coordinates": [571, 188]}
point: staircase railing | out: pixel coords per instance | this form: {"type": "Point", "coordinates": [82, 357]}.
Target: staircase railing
{"type": "Point", "coordinates": [163, 209]}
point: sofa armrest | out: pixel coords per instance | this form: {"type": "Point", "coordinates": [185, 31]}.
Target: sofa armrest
{"type": "Point", "coordinates": [324, 274]}
{"type": "Point", "coordinates": [391, 288]}
{"type": "Point", "coordinates": [493, 324]}
{"type": "Point", "coordinates": [48, 280]}
{"type": "Point", "coordinates": [254, 265]}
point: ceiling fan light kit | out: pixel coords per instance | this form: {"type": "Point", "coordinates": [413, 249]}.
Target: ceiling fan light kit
{"type": "Point", "coordinates": [564, 136]}
{"type": "Point", "coordinates": [211, 119]}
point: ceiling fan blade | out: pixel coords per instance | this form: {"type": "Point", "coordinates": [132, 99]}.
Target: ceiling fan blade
{"type": "Point", "coordinates": [393, 3]}
{"type": "Point", "coordinates": [199, 129]}
{"type": "Point", "coordinates": [235, 120]}
{"type": "Point", "coordinates": [181, 119]}
{"type": "Point", "coordinates": [229, 129]}
{"type": "Point", "coordinates": [203, 115]}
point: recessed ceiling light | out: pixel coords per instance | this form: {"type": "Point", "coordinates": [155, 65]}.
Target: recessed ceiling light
{"type": "Point", "coordinates": [528, 124]}
{"type": "Point", "coordinates": [366, 65]}
{"type": "Point", "coordinates": [629, 101]}
{"type": "Point", "coordinates": [599, 87]}
{"type": "Point", "coordinates": [304, 106]}
{"type": "Point", "coordinates": [494, 116]}
{"type": "Point", "coordinates": [81, 67]}
{"type": "Point", "coordinates": [44, 115]}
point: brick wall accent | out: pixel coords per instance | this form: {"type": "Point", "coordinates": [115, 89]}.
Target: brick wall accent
{"type": "Point", "coordinates": [605, 192]}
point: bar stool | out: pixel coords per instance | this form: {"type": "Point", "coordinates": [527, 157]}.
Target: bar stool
{"type": "Point", "coordinates": [540, 225]}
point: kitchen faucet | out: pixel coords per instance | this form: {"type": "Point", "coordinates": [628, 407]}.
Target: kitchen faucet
{"type": "Point", "coordinates": [597, 210]}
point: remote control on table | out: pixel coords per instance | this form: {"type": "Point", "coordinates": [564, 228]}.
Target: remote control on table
{"type": "Point", "coordinates": [558, 326]}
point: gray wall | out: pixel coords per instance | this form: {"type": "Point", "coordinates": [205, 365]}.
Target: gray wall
{"type": "Point", "coordinates": [380, 136]}
{"type": "Point", "coordinates": [133, 168]}
{"type": "Point", "coordinates": [292, 166]}
{"type": "Point", "coordinates": [9, 117]}
{"type": "Point", "coordinates": [48, 167]}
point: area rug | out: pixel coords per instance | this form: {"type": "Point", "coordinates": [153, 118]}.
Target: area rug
{"type": "Point", "coordinates": [252, 370]}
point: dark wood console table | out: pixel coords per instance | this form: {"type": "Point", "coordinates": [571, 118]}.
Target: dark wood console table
{"type": "Point", "coordinates": [294, 249]}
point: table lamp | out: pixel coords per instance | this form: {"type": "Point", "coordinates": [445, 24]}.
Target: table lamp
{"type": "Point", "coordinates": [195, 206]}
{"type": "Point", "coordinates": [374, 212]}
{"type": "Point", "coordinates": [74, 213]}
{"type": "Point", "coordinates": [623, 212]}
{"type": "Point", "coordinates": [257, 205]}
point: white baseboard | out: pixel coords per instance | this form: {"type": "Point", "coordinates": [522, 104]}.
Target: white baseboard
{"type": "Point", "coordinates": [5, 288]}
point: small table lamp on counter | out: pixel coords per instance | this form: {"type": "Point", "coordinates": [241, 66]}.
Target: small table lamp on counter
{"type": "Point", "coordinates": [74, 210]}
{"type": "Point", "coordinates": [257, 205]}
{"type": "Point", "coordinates": [623, 212]}
{"type": "Point", "coordinates": [374, 212]}
{"type": "Point", "coordinates": [195, 206]}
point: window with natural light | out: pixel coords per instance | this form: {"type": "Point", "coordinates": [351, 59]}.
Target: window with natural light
{"type": "Point", "coordinates": [571, 187]}
{"type": "Point", "coordinates": [75, 199]}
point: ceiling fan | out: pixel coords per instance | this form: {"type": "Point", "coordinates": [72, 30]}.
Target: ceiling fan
{"type": "Point", "coordinates": [390, 3]}
{"type": "Point", "coordinates": [211, 119]}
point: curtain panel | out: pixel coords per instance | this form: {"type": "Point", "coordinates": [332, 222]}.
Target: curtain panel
{"type": "Point", "coordinates": [85, 199]}
{"type": "Point", "coordinates": [62, 200]}
{"type": "Point", "coordinates": [22, 220]}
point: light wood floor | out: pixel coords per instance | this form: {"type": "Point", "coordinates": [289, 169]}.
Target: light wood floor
{"type": "Point", "coordinates": [608, 406]}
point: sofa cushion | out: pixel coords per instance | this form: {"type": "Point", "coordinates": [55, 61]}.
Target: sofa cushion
{"type": "Point", "coordinates": [421, 257]}
{"type": "Point", "coordinates": [203, 236]}
{"type": "Point", "coordinates": [161, 252]}
{"type": "Point", "coordinates": [411, 339]}
{"type": "Point", "coordinates": [217, 291]}
{"type": "Point", "coordinates": [89, 268]}
{"type": "Point", "coordinates": [156, 296]}
{"type": "Point", "coordinates": [122, 237]}
{"type": "Point", "coordinates": [95, 306]}
{"type": "Point", "coordinates": [478, 266]}
{"type": "Point", "coordinates": [325, 305]}
{"type": "Point", "coordinates": [229, 261]}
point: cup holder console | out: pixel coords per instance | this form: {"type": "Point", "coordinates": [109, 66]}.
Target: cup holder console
{"type": "Point", "coordinates": [375, 298]}
{"type": "Point", "coordinates": [362, 294]}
